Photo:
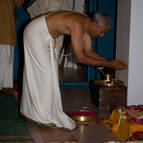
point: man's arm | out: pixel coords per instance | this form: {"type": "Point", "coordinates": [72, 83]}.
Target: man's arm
{"type": "Point", "coordinates": [83, 57]}
{"type": "Point", "coordinates": [87, 45]}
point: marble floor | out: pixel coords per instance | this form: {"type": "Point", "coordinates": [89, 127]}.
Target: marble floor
{"type": "Point", "coordinates": [73, 98]}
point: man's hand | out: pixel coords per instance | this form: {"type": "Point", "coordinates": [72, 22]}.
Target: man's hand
{"type": "Point", "coordinates": [117, 65]}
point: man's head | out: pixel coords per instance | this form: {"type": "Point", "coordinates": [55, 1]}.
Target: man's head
{"type": "Point", "coordinates": [100, 24]}
{"type": "Point", "coordinates": [101, 19]}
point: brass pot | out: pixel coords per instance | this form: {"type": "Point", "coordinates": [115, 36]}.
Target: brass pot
{"type": "Point", "coordinates": [112, 82]}
{"type": "Point", "coordinates": [110, 78]}
{"type": "Point", "coordinates": [85, 114]}
{"type": "Point", "coordinates": [83, 118]}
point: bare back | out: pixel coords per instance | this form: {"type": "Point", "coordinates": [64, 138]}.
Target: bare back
{"type": "Point", "coordinates": [61, 22]}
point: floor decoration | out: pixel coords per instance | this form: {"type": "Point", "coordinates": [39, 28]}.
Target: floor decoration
{"type": "Point", "coordinates": [62, 142]}
{"type": "Point", "coordinates": [13, 129]}
{"type": "Point", "coordinates": [126, 123]}
{"type": "Point", "coordinates": [85, 114]}
{"type": "Point", "coordinates": [125, 142]}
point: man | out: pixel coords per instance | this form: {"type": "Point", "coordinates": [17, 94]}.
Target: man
{"type": "Point", "coordinates": [7, 43]}
{"type": "Point", "coordinates": [41, 100]}
{"type": "Point", "coordinates": [40, 7]}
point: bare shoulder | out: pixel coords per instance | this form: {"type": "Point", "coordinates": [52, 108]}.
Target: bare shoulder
{"type": "Point", "coordinates": [63, 22]}
{"type": "Point", "coordinates": [67, 16]}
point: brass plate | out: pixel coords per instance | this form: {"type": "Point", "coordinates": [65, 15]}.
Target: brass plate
{"type": "Point", "coordinates": [83, 118]}
{"type": "Point", "coordinates": [109, 83]}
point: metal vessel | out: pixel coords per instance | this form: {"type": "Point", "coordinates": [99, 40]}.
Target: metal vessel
{"type": "Point", "coordinates": [84, 118]}
{"type": "Point", "coordinates": [109, 78]}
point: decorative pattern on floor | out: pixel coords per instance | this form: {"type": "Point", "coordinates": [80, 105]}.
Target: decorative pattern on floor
{"type": "Point", "coordinates": [13, 129]}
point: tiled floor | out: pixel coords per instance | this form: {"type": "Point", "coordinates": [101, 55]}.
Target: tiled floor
{"type": "Point", "coordinates": [93, 132]}
{"type": "Point", "coordinates": [72, 75]}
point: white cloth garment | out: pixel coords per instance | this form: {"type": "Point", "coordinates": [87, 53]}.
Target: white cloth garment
{"type": "Point", "coordinates": [6, 66]}
{"type": "Point", "coordinates": [41, 99]}
{"type": "Point", "coordinates": [43, 6]}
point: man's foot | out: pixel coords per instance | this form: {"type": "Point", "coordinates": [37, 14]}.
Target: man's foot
{"type": "Point", "coordinates": [7, 90]}
{"type": "Point", "coordinates": [10, 91]}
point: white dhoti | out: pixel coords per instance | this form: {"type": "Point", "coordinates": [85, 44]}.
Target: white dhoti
{"type": "Point", "coordinates": [6, 66]}
{"type": "Point", "coordinates": [41, 99]}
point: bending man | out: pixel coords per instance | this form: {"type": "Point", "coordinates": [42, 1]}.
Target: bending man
{"type": "Point", "coordinates": [41, 99]}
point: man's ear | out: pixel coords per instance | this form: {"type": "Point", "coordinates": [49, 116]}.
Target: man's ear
{"type": "Point", "coordinates": [95, 24]}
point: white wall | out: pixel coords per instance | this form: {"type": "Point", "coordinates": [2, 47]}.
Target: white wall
{"type": "Point", "coordinates": [135, 75]}
{"type": "Point", "coordinates": [129, 44]}
{"type": "Point", "coordinates": [122, 35]}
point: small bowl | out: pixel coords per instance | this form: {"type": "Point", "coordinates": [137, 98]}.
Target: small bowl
{"type": "Point", "coordinates": [83, 115]}
{"type": "Point", "coordinates": [83, 118]}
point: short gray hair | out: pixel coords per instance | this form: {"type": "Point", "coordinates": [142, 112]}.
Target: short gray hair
{"type": "Point", "coordinates": [102, 19]}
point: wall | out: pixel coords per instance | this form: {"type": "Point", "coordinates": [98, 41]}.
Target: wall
{"type": "Point", "coordinates": [129, 47]}
{"type": "Point", "coordinates": [106, 44]}
{"type": "Point", "coordinates": [135, 75]}
{"type": "Point", "coordinates": [122, 35]}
